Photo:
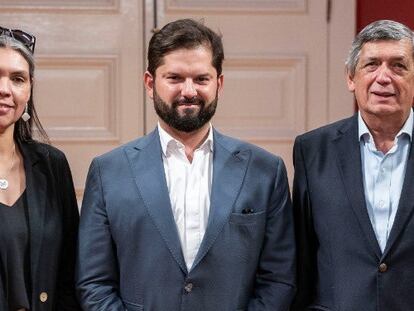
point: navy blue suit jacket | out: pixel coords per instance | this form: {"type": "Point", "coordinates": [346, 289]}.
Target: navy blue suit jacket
{"type": "Point", "coordinates": [340, 264]}
{"type": "Point", "coordinates": [130, 256]}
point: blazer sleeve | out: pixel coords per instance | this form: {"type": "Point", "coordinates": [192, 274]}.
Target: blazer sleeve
{"type": "Point", "coordinates": [97, 268]}
{"type": "Point", "coordinates": [275, 277]}
{"type": "Point", "coordinates": [305, 236]}
{"type": "Point", "coordinates": [66, 294]}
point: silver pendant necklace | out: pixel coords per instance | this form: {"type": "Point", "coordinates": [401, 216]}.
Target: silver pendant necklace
{"type": "Point", "coordinates": [4, 183]}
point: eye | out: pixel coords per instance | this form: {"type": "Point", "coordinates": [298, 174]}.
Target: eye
{"type": "Point", "coordinates": [19, 79]}
{"type": "Point", "coordinates": [371, 65]}
{"type": "Point", "coordinates": [173, 78]}
{"type": "Point", "coordinates": [203, 79]}
{"type": "Point", "coordinates": [400, 66]}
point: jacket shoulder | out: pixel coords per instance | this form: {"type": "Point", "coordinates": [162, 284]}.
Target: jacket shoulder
{"type": "Point", "coordinates": [44, 150]}
{"type": "Point", "coordinates": [138, 143]}
{"type": "Point", "coordinates": [236, 145]}
{"type": "Point", "coordinates": [327, 132]}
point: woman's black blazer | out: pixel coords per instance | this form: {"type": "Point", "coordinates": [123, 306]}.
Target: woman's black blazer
{"type": "Point", "coordinates": [53, 226]}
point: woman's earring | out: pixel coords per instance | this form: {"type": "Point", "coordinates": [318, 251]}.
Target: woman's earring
{"type": "Point", "coordinates": [26, 115]}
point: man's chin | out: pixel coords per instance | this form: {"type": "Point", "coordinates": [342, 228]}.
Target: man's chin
{"type": "Point", "coordinates": [186, 109]}
{"type": "Point", "coordinates": [383, 110]}
{"type": "Point", "coordinates": [188, 112]}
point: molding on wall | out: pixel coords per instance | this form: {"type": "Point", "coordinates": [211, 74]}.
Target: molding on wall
{"type": "Point", "coordinates": [236, 6]}
{"type": "Point", "coordinates": [100, 83]}
{"type": "Point", "coordinates": [340, 100]}
{"type": "Point", "coordinates": [274, 121]}
{"type": "Point", "coordinates": [57, 6]}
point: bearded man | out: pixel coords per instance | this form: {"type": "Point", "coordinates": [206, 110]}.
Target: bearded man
{"type": "Point", "coordinates": [186, 218]}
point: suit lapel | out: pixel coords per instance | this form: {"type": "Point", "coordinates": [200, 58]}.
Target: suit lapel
{"type": "Point", "coordinates": [229, 168]}
{"type": "Point", "coordinates": [349, 160]}
{"type": "Point", "coordinates": [406, 204]}
{"type": "Point", "coordinates": [147, 167]}
{"type": "Point", "coordinates": [36, 200]}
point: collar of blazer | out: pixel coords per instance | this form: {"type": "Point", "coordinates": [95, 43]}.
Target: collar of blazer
{"type": "Point", "coordinates": [37, 194]}
{"type": "Point", "coordinates": [33, 151]}
{"type": "Point", "coordinates": [231, 158]}
{"type": "Point", "coordinates": [347, 145]}
{"type": "Point", "coordinates": [349, 162]}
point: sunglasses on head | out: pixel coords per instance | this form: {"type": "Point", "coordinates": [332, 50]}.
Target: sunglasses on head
{"type": "Point", "coordinates": [27, 39]}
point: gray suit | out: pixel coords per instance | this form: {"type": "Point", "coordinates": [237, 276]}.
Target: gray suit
{"type": "Point", "coordinates": [129, 250]}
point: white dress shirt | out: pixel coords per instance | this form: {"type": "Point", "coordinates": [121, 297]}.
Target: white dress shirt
{"type": "Point", "coordinates": [189, 187]}
{"type": "Point", "coordinates": [383, 176]}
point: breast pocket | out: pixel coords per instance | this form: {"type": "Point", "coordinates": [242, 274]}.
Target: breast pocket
{"type": "Point", "coordinates": [247, 219]}
{"type": "Point", "coordinates": [130, 306]}
{"type": "Point", "coordinates": [244, 233]}
{"type": "Point", "coordinates": [318, 308]}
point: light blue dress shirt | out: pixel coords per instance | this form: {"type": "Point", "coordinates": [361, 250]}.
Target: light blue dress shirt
{"type": "Point", "coordinates": [383, 177]}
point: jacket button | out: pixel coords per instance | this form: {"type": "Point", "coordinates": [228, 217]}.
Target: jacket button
{"type": "Point", "coordinates": [43, 296]}
{"type": "Point", "coordinates": [383, 267]}
{"type": "Point", "coordinates": [188, 287]}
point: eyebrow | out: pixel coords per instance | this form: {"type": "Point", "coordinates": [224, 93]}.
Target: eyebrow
{"type": "Point", "coordinates": [16, 72]}
{"type": "Point", "coordinates": [21, 72]}
{"type": "Point", "coordinates": [394, 58]}
{"type": "Point", "coordinates": [178, 74]}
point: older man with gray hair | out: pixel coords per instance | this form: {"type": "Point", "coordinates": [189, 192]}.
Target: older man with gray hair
{"type": "Point", "coordinates": [353, 188]}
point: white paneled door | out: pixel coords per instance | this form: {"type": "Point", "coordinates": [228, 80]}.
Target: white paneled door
{"type": "Point", "coordinates": [283, 69]}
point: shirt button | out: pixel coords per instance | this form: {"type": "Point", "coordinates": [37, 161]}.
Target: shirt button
{"type": "Point", "coordinates": [43, 296]}
{"type": "Point", "coordinates": [383, 267]}
{"type": "Point", "coordinates": [188, 287]}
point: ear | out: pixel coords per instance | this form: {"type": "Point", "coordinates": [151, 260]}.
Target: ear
{"type": "Point", "coordinates": [220, 81]}
{"type": "Point", "coordinates": [350, 81]}
{"type": "Point", "coordinates": [149, 84]}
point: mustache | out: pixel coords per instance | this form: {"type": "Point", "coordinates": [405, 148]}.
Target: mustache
{"type": "Point", "coordinates": [194, 101]}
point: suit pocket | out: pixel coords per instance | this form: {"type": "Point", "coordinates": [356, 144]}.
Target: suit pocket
{"type": "Point", "coordinates": [246, 219]}
{"type": "Point", "coordinates": [318, 308]}
{"type": "Point", "coordinates": [130, 306]}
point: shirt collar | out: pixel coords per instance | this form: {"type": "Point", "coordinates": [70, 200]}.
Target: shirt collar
{"type": "Point", "coordinates": [167, 141]}
{"type": "Point", "coordinates": [364, 133]}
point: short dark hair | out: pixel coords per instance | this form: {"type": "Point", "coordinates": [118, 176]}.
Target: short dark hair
{"type": "Point", "coordinates": [184, 34]}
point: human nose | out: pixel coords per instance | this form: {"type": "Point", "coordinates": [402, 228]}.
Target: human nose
{"type": "Point", "coordinates": [4, 87]}
{"type": "Point", "coordinates": [188, 90]}
{"type": "Point", "coordinates": [383, 76]}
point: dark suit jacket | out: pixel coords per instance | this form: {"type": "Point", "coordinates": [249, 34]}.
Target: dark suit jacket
{"type": "Point", "coordinates": [338, 254]}
{"type": "Point", "coordinates": [130, 256]}
{"type": "Point", "coordinates": [53, 223]}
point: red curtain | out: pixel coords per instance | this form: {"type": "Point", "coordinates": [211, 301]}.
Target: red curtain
{"type": "Point", "coordinates": [399, 10]}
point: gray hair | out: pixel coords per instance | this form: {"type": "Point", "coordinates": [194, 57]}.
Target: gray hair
{"type": "Point", "coordinates": [377, 31]}
{"type": "Point", "coordinates": [11, 43]}
{"type": "Point", "coordinates": [23, 131]}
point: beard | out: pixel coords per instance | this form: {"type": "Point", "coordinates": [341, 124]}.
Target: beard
{"type": "Point", "coordinates": [190, 119]}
